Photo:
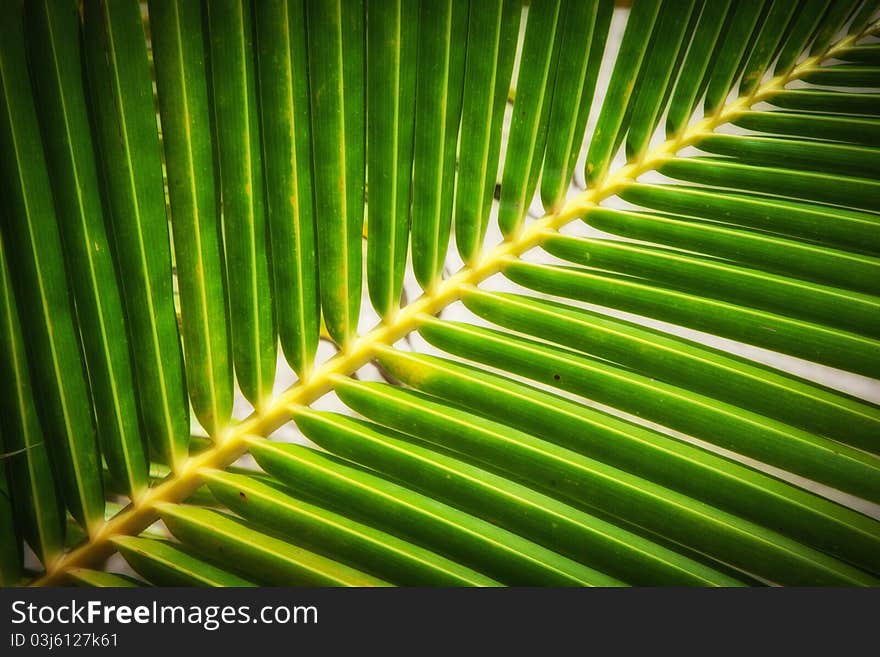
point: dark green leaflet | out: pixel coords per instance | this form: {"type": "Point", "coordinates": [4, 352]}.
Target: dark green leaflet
{"type": "Point", "coordinates": [124, 124]}
{"type": "Point", "coordinates": [258, 556]}
{"type": "Point", "coordinates": [863, 131]}
{"type": "Point", "coordinates": [52, 31]}
{"type": "Point", "coordinates": [827, 101]}
{"type": "Point", "coordinates": [659, 74]}
{"type": "Point", "coordinates": [242, 187]}
{"type": "Point", "coordinates": [857, 193]}
{"type": "Point", "coordinates": [688, 365]}
{"type": "Point", "coordinates": [844, 75]}
{"type": "Point", "coordinates": [569, 476]}
{"type": "Point", "coordinates": [26, 456]}
{"type": "Point", "coordinates": [336, 85]}
{"type": "Point", "coordinates": [360, 545]}
{"type": "Point", "coordinates": [797, 338]}
{"type": "Point", "coordinates": [692, 413]}
{"type": "Point", "coordinates": [430, 523]}
{"type": "Point", "coordinates": [601, 30]}
{"type": "Point", "coordinates": [864, 16]}
{"type": "Point", "coordinates": [36, 260]}
{"type": "Point", "coordinates": [806, 21]}
{"type": "Point", "coordinates": [492, 27]}
{"type": "Point", "coordinates": [166, 564]}
{"type": "Point", "coordinates": [10, 548]}
{"type": "Point", "coordinates": [710, 279]}
{"type": "Point", "coordinates": [866, 53]}
{"type": "Point", "coordinates": [181, 78]}
{"type": "Point", "coordinates": [392, 33]}
{"type": "Point", "coordinates": [528, 513]}
{"type": "Point", "coordinates": [770, 33]}
{"type": "Point", "coordinates": [826, 225]}
{"type": "Point", "coordinates": [584, 29]}
{"type": "Point", "coordinates": [696, 64]}
{"type": "Point", "coordinates": [821, 264]}
{"type": "Point", "coordinates": [832, 21]}
{"type": "Point", "coordinates": [531, 110]}
{"type": "Point", "coordinates": [654, 41]}
{"type": "Point", "coordinates": [731, 51]}
{"type": "Point", "coordinates": [287, 154]}
{"type": "Point", "coordinates": [443, 26]}
{"type": "Point", "coordinates": [86, 577]}
{"type": "Point", "coordinates": [673, 463]}
{"type": "Point", "coordinates": [827, 157]}
{"type": "Point", "coordinates": [635, 42]}
{"type": "Point", "coordinates": [681, 53]}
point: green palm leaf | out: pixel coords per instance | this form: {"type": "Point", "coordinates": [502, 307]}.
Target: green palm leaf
{"type": "Point", "coordinates": [669, 378]}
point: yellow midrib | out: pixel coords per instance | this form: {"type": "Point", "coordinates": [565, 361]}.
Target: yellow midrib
{"type": "Point", "coordinates": [231, 442]}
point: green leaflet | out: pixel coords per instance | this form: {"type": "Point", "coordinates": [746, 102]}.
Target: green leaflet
{"type": "Point", "coordinates": [680, 54]}
{"type": "Point", "coordinates": [357, 544]}
{"type": "Point", "coordinates": [392, 41]}
{"type": "Point", "coordinates": [693, 74]}
{"type": "Point", "coordinates": [845, 75]}
{"type": "Point", "coordinates": [710, 279]}
{"type": "Point", "coordinates": [36, 260]}
{"type": "Point", "coordinates": [26, 456]}
{"type": "Point", "coordinates": [827, 101]}
{"type": "Point", "coordinates": [745, 432]}
{"type": "Point", "coordinates": [822, 224]}
{"type": "Point", "coordinates": [52, 31]}
{"type": "Point", "coordinates": [857, 193]}
{"type": "Point", "coordinates": [492, 28]}
{"type": "Point", "coordinates": [645, 453]}
{"type": "Point", "coordinates": [866, 53]}
{"type": "Point", "coordinates": [584, 29]}
{"type": "Point", "coordinates": [167, 564]}
{"type": "Point", "coordinates": [259, 556]}
{"type": "Point", "coordinates": [86, 577]}
{"type": "Point", "coordinates": [124, 125]}
{"type": "Point", "coordinates": [659, 75]}
{"type": "Point", "coordinates": [688, 365]}
{"type": "Point", "coordinates": [287, 155]}
{"type": "Point", "coordinates": [655, 41]}
{"type": "Point", "coordinates": [504, 502]}
{"type": "Point", "coordinates": [810, 341]}
{"type": "Point", "coordinates": [585, 482]}
{"type": "Point", "coordinates": [336, 87]}
{"type": "Point", "coordinates": [732, 51]}
{"type": "Point", "coordinates": [422, 520]}
{"type": "Point", "coordinates": [834, 18]}
{"type": "Point", "coordinates": [823, 157]}
{"type": "Point", "coordinates": [866, 13]}
{"type": "Point", "coordinates": [237, 139]}
{"type": "Point", "coordinates": [10, 548]}
{"type": "Point", "coordinates": [635, 42]}
{"type": "Point", "coordinates": [597, 52]}
{"type": "Point", "coordinates": [770, 33]}
{"type": "Point", "coordinates": [855, 130]}
{"type": "Point", "coordinates": [181, 78]}
{"type": "Point", "coordinates": [443, 28]}
{"type": "Point", "coordinates": [531, 110]}
{"type": "Point", "coordinates": [789, 257]}
{"type": "Point", "coordinates": [806, 21]}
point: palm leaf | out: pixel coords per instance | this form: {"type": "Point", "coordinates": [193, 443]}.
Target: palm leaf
{"type": "Point", "coordinates": [665, 379]}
